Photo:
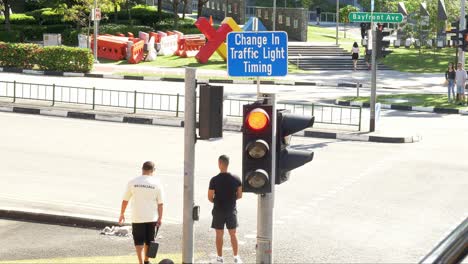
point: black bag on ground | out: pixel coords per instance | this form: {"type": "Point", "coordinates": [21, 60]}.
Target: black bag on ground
{"type": "Point", "coordinates": [153, 246]}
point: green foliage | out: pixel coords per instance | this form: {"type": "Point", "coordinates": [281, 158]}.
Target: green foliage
{"type": "Point", "coordinates": [344, 12]}
{"type": "Point", "coordinates": [12, 36]}
{"type": "Point", "coordinates": [66, 59]}
{"type": "Point", "coordinates": [118, 28]}
{"type": "Point", "coordinates": [35, 32]}
{"type": "Point", "coordinates": [19, 19]}
{"type": "Point", "coordinates": [18, 55]}
{"type": "Point", "coordinates": [60, 58]}
{"type": "Point", "coordinates": [48, 16]}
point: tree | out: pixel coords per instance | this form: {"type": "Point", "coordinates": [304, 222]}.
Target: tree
{"type": "Point", "coordinates": [175, 6]}
{"type": "Point", "coordinates": [6, 10]}
{"type": "Point", "coordinates": [344, 12]}
{"type": "Point", "coordinates": [201, 3]}
{"type": "Point", "coordinates": [185, 8]}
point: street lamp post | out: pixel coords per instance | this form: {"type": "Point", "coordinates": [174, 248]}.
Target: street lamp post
{"type": "Point", "coordinates": [337, 18]}
{"type": "Point", "coordinates": [96, 28]}
{"type": "Point", "coordinates": [461, 57]}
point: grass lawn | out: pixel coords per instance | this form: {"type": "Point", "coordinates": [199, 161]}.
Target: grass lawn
{"type": "Point", "coordinates": [429, 61]}
{"type": "Point", "coordinates": [321, 34]}
{"type": "Point", "coordinates": [425, 100]}
{"type": "Point", "coordinates": [215, 63]}
{"type": "Point", "coordinates": [177, 258]}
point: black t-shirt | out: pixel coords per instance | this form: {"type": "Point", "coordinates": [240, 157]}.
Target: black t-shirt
{"type": "Point", "coordinates": [225, 188]}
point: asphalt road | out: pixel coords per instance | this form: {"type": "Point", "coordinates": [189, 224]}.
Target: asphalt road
{"type": "Point", "coordinates": [356, 202]}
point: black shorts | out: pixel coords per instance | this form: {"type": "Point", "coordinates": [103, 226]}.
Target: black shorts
{"type": "Point", "coordinates": [143, 233]}
{"type": "Point", "coordinates": [220, 218]}
{"type": "Point", "coordinates": [355, 56]}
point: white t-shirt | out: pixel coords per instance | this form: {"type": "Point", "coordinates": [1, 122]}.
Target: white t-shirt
{"type": "Point", "coordinates": [147, 193]}
{"type": "Point", "coordinates": [355, 50]}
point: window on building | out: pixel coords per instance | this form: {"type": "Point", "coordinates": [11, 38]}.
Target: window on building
{"type": "Point", "coordinates": [280, 19]}
{"type": "Point", "coordinates": [259, 13]}
{"type": "Point", "coordinates": [265, 15]}
{"type": "Point", "coordinates": [235, 8]}
{"type": "Point", "coordinates": [296, 23]}
{"type": "Point", "coordinates": [229, 8]}
{"type": "Point", "coordinates": [288, 21]}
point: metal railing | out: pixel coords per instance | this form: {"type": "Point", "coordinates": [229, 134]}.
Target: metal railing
{"type": "Point", "coordinates": [325, 114]}
{"type": "Point", "coordinates": [453, 249]}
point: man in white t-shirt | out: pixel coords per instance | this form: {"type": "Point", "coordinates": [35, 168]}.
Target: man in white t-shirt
{"type": "Point", "coordinates": [147, 194]}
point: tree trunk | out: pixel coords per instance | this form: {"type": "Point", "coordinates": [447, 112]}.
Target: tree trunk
{"type": "Point", "coordinates": [116, 13]}
{"type": "Point", "coordinates": [175, 6]}
{"type": "Point", "coordinates": [159, 9]}
{"type": "Point", "coordinates": [199, 8]}
{"type": "Point", "coordinates": [185, 8]}
{"type": "Point", "coordinates": [6, 4]}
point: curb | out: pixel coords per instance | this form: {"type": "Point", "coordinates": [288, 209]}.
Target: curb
{"type": "Point", "coordinates": [437, 110]}
{"type": "Point", "coordinates": [56, 218]}
{"type": "Point", "coordinates": [172, 79]}
{"type": "Point", "coordinates": [178, 122]}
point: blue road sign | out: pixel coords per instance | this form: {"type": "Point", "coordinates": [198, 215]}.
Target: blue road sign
{"type": "Point", "coordinates": [249, 25]}
{"type": "Point", "coordinates": [257, 53]}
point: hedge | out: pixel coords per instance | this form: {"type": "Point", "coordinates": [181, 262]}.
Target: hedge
{"type": "Point", "coordinates": [66, 59]}
{"type": "Point", "coordinates": [12, 36]}
{"type": "Point", "coordinates": [19, 19]}
{"type": "Point", "coordinates": [18, 55]}
{"type": "Point", "coordinates": [147, 15]}
{"type": "Point", "coordinates": [57, 58]}
{"type": "Point", "coordinates": [48, 16]}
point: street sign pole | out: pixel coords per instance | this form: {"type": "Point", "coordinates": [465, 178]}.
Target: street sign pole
{"type": "Point", "coordinates": [461, 58]}
{"type": "Point", "coordinates": [374, 73]}
{"type": "Point", "coordinates": [266, 201]}
{"type": "Point", "coordinates": [255, 29]}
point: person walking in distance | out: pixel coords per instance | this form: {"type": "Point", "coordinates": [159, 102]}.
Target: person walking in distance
{"type": "Point", "coordinates": [355, 54]}
{"type": "Point", "coordinates": [460, 78]}
{"type": "Point", "coordinates": [147, 209]}
{"type": "Point", "coordinates": [450, 78]}
{"type": "Point", "coordinates": [224, 190]}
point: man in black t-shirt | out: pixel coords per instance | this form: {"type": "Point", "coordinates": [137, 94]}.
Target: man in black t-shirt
{"type": "Point", "coordinates": [223, 192]}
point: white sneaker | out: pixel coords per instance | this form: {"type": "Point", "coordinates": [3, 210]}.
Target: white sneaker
{"type": "Point", "coordinates": [218, 260]}
{"type": "Point", "coordinates": [238, 260]}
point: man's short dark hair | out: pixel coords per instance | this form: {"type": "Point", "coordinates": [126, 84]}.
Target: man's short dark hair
{"type": "Point", "coordinates": [166, 261]}
{"type": "Point", "coordinates": [224, 159]}
{"type": "Point", "coordinates": [148, 166]}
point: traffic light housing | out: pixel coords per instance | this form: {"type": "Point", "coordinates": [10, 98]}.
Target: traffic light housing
{"type": "Point", "coordinates": [382, 44]}
{"type": "Point", "coordinates": [288, 158]}
{"type": "Point", "coordinates": [257, 136]}
{"type": "Point", "coordinates": [465, 40]}
{"type": "Point", "coordinates": [454, 27]}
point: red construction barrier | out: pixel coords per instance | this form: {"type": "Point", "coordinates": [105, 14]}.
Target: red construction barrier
{"type": "Point", "coordinates": [112, 48]}
{"type": "Point", "coordinates": [137, 52]}
{"type": "Point", "coordinates": [189, 46]}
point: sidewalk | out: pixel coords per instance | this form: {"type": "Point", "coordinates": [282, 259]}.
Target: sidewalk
{"type": "Point", "coordinates": [385, 79]}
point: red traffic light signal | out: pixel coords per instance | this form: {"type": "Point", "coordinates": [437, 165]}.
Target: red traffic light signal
{"type": "Point", "coordinates": [257, 120]}
{"type": "Point", "coordinates": [257, 134]}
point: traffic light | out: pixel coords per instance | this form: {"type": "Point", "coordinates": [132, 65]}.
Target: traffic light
{"type": "Point", "coordinates": [288, 158]}
{"type": "Point", "coordinates": [382, 44]}
{"type": "Point", "coordinates": [454, 27]}
{"type": "Point", "coordinates": [256, 146]}
{"type": "Point", "coordinates": [464, 39]}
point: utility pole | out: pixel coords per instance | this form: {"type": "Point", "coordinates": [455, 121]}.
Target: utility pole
{"type": "Point", "coordinates": [374, 72]}
{"type": "Point", "coordinates": [274, 15]}
{"type": "Point", "coordinates": [96, 28]}
{"type": "Point", "coordinates": [461, 57]}
{"type": "Point", "coordinates": [266, 201]}
{"type": "Point", "coordinates": [189, 164]}
{"type": "Point", "coordinates": [337, 18]}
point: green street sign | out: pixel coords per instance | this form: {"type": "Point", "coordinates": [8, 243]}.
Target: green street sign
{"type": "Point", "coordinates": [377, 17]}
